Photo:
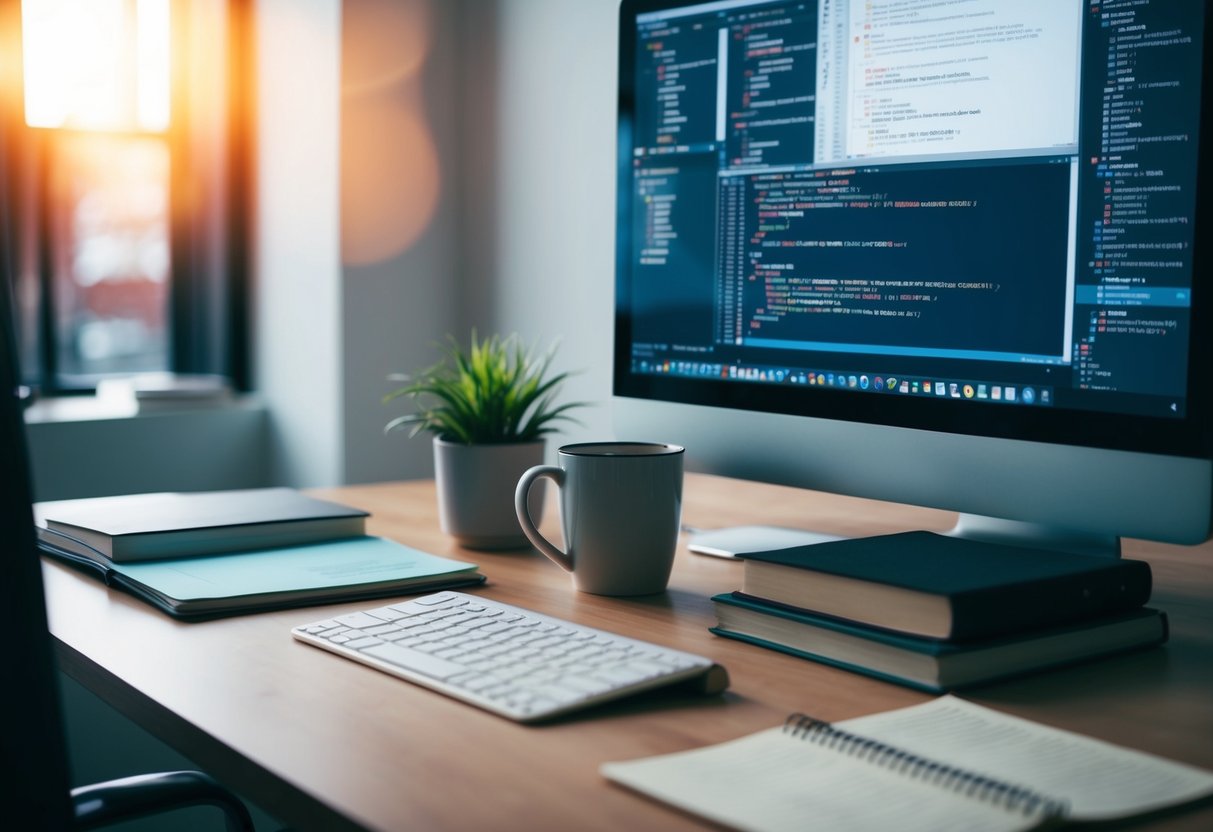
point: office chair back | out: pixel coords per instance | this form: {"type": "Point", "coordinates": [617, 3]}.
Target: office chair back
{"type": "Point", "coordinates": [34, 756]}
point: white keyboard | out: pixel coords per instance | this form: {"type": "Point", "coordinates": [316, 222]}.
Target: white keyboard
{"type": "Point", "coordinates": [508, 660]}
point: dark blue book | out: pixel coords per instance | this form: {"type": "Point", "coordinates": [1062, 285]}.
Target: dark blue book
{"type": "Point", "coordinates": [930, 664]}
{"type": "Point", "coordinates": [927, 584]}
{"type": "Point", "coordinates": [130, 528]}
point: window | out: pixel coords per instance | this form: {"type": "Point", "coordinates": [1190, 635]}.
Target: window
{"type": "Point", "coordinates": [124, 159]}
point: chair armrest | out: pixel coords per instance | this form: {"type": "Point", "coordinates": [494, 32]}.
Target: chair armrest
{"type": "Point", "coordinates": [130, 797]}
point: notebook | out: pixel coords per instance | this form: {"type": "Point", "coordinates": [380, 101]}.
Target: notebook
{"type": "Point", "coordinates": [944, 765]}
{"type": "Point", "coordinates": [287, 576]}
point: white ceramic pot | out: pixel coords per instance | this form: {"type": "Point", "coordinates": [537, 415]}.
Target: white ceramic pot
{"type": "Point", "coordinates": [476, 491]}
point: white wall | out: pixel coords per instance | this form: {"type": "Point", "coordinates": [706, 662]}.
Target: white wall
{"type": "Point", "coordinates": [538, 203]}
{"type": "Point", "coordinates": [297, 303]}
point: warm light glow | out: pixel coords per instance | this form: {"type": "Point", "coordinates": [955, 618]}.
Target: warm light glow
{"type": "Point", "coordinates": [390, 177]}
{"type": "Point", "coordinates": [96, 64]}
{"type": "Point", "coordinates": [153, 71]}
{"type": "Point", "coordinates": [388, 42]}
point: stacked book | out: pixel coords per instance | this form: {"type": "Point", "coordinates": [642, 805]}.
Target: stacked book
{"type": "Point", "coordinates": [940, 613]}
{"type": "Point", "coordinates": [211, 553]}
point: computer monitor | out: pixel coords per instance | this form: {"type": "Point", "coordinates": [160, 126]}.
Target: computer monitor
{"type": "Point", "coordinates": [948, 254]}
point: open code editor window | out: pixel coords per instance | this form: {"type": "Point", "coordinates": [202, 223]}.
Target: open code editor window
{"type": "Point", "coordinates": [936, 180]}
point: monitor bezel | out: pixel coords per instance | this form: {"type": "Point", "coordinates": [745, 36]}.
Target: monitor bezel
{"type": "Point", "coordinates": [1190, 435]}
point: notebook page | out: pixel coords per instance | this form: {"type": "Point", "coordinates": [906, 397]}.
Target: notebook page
{"type": "Point", "coordinates": [1098, 779]}
{"type": "Point", "coordinates": [775, 782]}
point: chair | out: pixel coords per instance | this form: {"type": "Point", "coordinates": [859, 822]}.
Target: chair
{"type": "Point", "coordinates": [33, 752]}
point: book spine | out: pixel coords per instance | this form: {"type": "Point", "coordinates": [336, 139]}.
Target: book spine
{"type": "Point", "coordinates": [916, 684]}
{"type": "Point", "coordinates": [1013, 798]}
{"type": "Point", "coordinates": [88, 564]}
{"type": "Point", "coordinates": [1009, 609]}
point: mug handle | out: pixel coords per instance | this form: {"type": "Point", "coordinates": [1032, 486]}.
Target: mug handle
{"type": "Point", "coordinates": [521, 494]}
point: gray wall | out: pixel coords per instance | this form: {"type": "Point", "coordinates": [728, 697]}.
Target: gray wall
{"type": "Point", "coordinates": [400, 231]}
{"type": "Point", "coordinates": [520, 98]}
{"type": "Point", "coordinates": [539, 140]}
{"type": "Point", "coordinates": [188, 451]}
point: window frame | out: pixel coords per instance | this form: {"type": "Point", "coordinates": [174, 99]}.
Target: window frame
{"type": "Point", "coordinates": [207, 298]}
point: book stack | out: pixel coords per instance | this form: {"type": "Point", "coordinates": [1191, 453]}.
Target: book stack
{"type": "Point", "coordinates": [156, 392]}
{"type": "Point", "coordinates": [212, 553]}
{"type": "Point", "coordinates": [939, 613]}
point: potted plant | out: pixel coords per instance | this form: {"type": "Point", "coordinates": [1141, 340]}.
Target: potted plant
{"type": "Point", "coordinates": [488, 408]}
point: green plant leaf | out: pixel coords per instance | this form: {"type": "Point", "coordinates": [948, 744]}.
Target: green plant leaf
{"type": "Point", "coordinates": [495, 391]}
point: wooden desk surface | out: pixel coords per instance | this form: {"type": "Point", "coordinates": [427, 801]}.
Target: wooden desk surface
{"type": "Point", "coordinates": [327, 743]}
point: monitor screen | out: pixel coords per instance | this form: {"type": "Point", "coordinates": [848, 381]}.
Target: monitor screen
{"type": "Point", "coordinates": [973, 216]}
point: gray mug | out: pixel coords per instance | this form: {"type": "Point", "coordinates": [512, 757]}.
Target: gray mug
{"type": "Point", "coordinates": [620, 507]}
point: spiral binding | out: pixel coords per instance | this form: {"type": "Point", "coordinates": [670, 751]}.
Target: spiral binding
{"type": "Point", "coordinates": [996, 792]}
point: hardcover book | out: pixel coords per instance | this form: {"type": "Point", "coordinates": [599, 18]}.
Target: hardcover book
{"type": "Point", "coordinates": [931, 585]}
{"type": "Point", "coordinates": [138, 527]}
{"type": "Point", "coordinates": [931, 664]}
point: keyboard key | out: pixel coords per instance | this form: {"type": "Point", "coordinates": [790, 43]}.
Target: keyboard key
{"type": "Point", "coordinates": [409, 608]}
{"type": "Point", "coordinates": [386, 613]}
{"type": "Point", "coordinates": [381, 629]}
{"type": "Point", "coordinates": [412, 660]}
{"type": "Point", "coordinates": [358, 620]}
{"type": "Point", "coordinates": [321, 626]}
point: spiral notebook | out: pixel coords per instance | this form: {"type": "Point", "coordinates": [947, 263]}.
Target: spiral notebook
{"type": "Point", "coordinates": [944, 765]}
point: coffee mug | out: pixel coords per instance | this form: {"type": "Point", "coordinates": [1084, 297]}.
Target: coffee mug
{"type": "Point", "coordinates": [620, 506]}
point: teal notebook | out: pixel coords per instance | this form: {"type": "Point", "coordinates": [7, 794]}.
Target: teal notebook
{"type": "Point", "coordinates": [931, 664]}
{"type": "Point", "coordinates": [242, 582]}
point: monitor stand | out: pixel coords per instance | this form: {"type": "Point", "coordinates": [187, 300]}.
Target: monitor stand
{"type": "Point", "coordinates": [1034, 536]}
{"type": "Point", "coordinates": [735, 541]}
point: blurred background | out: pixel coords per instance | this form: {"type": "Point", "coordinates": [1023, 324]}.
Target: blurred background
{"type": "Point", "coordinates": [300, 197]}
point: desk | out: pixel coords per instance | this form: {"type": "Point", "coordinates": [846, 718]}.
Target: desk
{"type": "Point", "coordinates": [327, 743]}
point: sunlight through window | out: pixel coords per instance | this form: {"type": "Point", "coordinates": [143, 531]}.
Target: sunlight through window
{"type": "Point", "coordinates": [97, 64]}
